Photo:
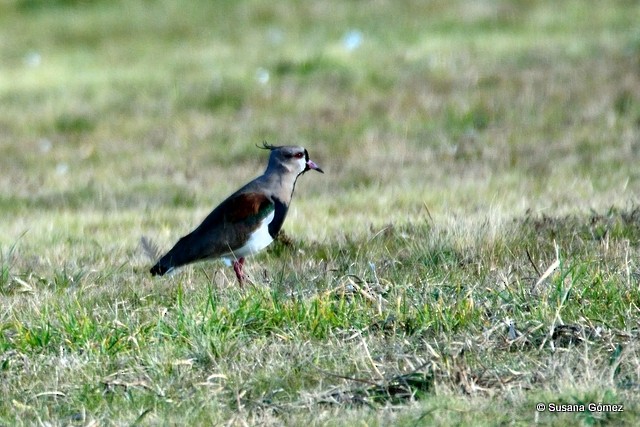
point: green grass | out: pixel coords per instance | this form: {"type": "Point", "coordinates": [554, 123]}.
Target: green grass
{"type": "Point", "coordinates": [470, 252]}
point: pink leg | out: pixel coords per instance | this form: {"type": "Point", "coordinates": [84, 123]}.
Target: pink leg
{"type": "Point", "coordinates": [237, 267]}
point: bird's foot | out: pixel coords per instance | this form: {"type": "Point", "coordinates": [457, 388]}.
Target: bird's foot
{"type": "Point", "coordinates": [237, 267]}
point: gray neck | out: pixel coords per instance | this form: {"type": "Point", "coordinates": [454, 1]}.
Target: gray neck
{"type": "Point", "coordinates": [281, 182]}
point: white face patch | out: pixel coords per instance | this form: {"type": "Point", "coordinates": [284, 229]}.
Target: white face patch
{"type": "Point", "coordinates": [301, 163]}
{"type": "Point", "coordinates": [295, 165]}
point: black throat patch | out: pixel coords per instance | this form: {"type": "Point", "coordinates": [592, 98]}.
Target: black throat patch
{"type": "Point", "coordinates": [278, 217]}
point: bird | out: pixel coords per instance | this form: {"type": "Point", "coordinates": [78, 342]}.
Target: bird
{"type": "Point", "coordinates": [248, 220]}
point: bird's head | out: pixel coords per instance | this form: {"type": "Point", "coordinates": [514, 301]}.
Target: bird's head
{"type": "Point", "coordinates": [292, 158]}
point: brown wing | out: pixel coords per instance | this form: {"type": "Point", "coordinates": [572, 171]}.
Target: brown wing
{"type": "Point", "coordinates": [224, 230]}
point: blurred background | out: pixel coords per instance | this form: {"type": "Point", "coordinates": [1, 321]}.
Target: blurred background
{"type": "Point", "coordinates": [151, 109]}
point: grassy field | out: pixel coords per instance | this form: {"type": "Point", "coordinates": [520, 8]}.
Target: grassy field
{"type": "Point", "coordinates": [471, 251]}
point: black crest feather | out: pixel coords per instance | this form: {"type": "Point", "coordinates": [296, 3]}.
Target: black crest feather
{"type": "Point", "coordinates": [267, 146]}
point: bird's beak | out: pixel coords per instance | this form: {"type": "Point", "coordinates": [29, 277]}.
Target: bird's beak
{"type": "Point", "coordinates": [311, 165]}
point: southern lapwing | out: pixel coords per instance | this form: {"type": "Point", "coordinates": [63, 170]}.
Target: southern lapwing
{"type": "Point", "coordinates": [248, 220]}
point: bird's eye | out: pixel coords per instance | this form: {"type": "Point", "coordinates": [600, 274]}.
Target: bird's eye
{"type": "Point", "coordinates": [299, 155]}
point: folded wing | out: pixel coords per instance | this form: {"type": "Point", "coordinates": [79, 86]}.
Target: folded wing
{"type": "Point", "coordinates": [222, 231]}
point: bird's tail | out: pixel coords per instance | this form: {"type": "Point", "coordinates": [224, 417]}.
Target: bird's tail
{"type": "Point", "coordinates": [180, 254]}
{"type": "Point", "coordinates": [161, 268]}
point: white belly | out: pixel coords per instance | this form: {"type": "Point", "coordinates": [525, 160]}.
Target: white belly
{"type": "Point", "coordinates": [259, 240]}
